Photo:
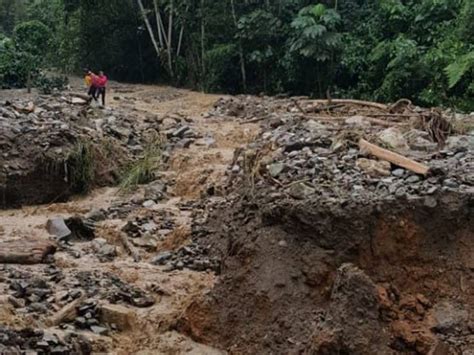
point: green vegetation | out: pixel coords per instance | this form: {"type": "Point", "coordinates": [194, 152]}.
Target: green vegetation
{"type": "Point", "coordinates": [142, 170]}
{"type": "Point", "coordinates": [81, 167]}
{"type": "Point", "coordinates": [372, 49]}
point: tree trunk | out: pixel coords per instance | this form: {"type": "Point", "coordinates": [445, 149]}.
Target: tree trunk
{"type": "Point", "coordinates": [241, 50]}
{"type": "Point", "coordinates": [170, 33]}
{"type": "Point", "coordinates": [180, 40]}
{"type": "Point", "coordinates": [148, 26]}
{"type": "Point", "coordinates": [203, 62]}
{"type": "Point", "coordinates": [158, 20]}
{"type": "Point", "coordinates": [28, 81]}
{"type": "Point", "coordinates": [25, 251]}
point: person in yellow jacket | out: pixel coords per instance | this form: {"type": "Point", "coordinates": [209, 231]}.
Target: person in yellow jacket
{"type": "Point", "coordinates": [91, 87]}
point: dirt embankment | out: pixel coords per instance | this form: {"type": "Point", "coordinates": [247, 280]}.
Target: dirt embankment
{"type": "Point", "coordinates": [353, 261]}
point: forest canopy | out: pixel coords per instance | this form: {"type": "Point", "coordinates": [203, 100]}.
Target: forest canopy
{"type": "Point", "coordinates": [381, 50]}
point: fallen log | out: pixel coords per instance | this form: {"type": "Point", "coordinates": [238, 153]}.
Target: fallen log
{"type": "Point", "coordinates": [25, 251]}
{"type": "Point", "coordinates": [352, 102]}
{"type": "Point", "coordinates": [393, 158]}
{"type": "Point", "coordinates": [129, 248]}
{"type": "Point", "coordinates": [67, 313]}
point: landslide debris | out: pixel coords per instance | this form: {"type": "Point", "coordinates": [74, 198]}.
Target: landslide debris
{"type": "Point", "coordinates": [304, 200]}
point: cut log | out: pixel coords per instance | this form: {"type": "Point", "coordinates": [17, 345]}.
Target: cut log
{"type": "Point", "coordinates": [67, 313]}
{"type": "Point", "coordinates": [25, 251]}
{"type": "Point", "coordinates": [130, 249]}
{"type": "Point", "coordinates": [393, 158]}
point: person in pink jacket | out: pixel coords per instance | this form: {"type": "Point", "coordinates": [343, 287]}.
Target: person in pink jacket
{"type": "Point", "coordinates": [101, 82]}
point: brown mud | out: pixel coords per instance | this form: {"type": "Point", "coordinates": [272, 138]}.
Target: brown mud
{"type": "Point", "coordinates": [307, 275]}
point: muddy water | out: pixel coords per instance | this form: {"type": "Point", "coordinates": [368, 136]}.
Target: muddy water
{"type": "Point", "coordinates": [152, 331]}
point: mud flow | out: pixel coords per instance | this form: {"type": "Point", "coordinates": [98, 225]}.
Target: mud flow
{"type": "Point", "coordinates": [175, 222]}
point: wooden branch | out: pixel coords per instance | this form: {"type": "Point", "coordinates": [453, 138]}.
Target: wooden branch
{"type": "Point", "coordinates": [25, 251]}
{"type": "Point", "coordinates": [353, 102]}
{"type": "Point", "coordinates": [254, 120]}
{"type": "Point", "coordinates": [393, 158]}
{"type": "Point", "coordinates": [130, 249]}
{"type": "Point", "coordinates": [67, 313]}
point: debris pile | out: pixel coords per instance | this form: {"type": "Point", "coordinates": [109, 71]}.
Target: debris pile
{"type": "Point", "coordinates": [343, 221]}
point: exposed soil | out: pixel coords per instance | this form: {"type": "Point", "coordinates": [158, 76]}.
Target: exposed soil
{"type": "Point", "coordinates": [245, 247]}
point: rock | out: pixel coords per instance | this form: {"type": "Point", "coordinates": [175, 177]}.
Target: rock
{"type": "Point", "coordinates": [276, 169]}
{"type": "Point", "coordinates": [148, 203]}
{"type": "Point", "coordinates": [412, 179]}
{"type": "Point", "coordinates": [374, 168]}
{"type": "Point", "coordinates": [122, 317]}
{"type": "Point", "coordinates": [300, 190]}
{"type": "Point", "coordinates": [449, 317]}
{"type": "Point", "coordinates": [155, 191]}
{"type": "Point", "coordinates": [99, 330]}
{"type": "Point", "coordinates": [57, 227]}
{"type": "Point", "coordinates": [450, 183]}
{"type": "Point", "coordinates": [161, 258]}
{"type": "Point", "coordinates": [398, 172]}
{"type": "Point", "coordinates": [460, 143]}
{"type": "Point", "coordinates": [393, 138]}
{"type": "Point", "coordinates": [357, 121]}
{"type": "Point", "coordinates": [235, 169]}
{"type": "Point", "coordinates": [180, 131]}
{"type": "Point", "coordinates": [96, 215]}
{"type": "Point", "coordinates": [430, 202]}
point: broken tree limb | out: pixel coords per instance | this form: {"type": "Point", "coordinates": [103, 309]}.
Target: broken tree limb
{"type": "Point", "coordinates": [353, 102]}
{"type": "Point", "coordinates": [25, 251]}
{"type": "Point", "coordinates": [393, 158]}
{"type": "Point", "coordinates": [130, 249]}
{"type": "Point", "coordinates": [254, 120]}
{"type": "Point", "coordinates": [67, 313]}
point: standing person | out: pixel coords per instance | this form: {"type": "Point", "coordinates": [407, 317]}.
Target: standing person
{"type": "Point", "coordinates": [102, 84]}
{"type": "Point", "coordinates": [91, 88]}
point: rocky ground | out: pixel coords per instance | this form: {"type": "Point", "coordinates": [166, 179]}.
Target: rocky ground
{"type": "Point", "coordinates": [267, 227]}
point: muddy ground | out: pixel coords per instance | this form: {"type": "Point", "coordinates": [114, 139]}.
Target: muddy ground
{"type": "Point", "coordinates": [265, 231]}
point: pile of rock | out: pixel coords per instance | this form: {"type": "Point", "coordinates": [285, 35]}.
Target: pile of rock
{"type": "Point", "coordinates": [320, 156]}
{"type": "Point", "coordinates": [28, 341]}
{"type": "Point", "coordinates": [192, 256]}
{"type": "Point", "coordinates": [38, 140]}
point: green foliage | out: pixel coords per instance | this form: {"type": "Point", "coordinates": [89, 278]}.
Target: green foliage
{"type": "Point", "coordinates": [142, 170]}
{"type": "Point", "coordinates": [47, 84]}
{"type": "Point", "coordinates": [374, 49]}
{"type": "Point", "coordinates": [81, 167]}
{"type": "Point", "coordinates": [32, 37]}
{"type": "Point", "coordinates": [455, 71]}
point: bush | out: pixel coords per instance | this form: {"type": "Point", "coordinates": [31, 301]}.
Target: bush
{"type": "Point", "coordinates": [46, 84]}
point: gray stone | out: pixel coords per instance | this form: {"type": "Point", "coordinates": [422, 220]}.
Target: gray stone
{"type": "Point", "coordinates": [155, 191]}
{"type": "Point", "coordinates": [148, 203]}
{"type": "Point", "coordinates": [56, 226]}
{"type": "Point", "coordinates": [357, 121]}
{"type": "Point", "coordinates": [99, 330]}
{"type": "Point", "coordinates": [161, 258]}
{"type": "Point", "coordinates": [300, 190]}
{"type": "Point", "coordinates": [450, 183]}
{"type": "Point", "coordinates": [180, 131]}
{"type": "Point", "coordinates": [412, 179]}
{"type": "Point", "coordinates": [276, 169]}
{"type": "Point", "coordinates": [393, 138]}
{"type": "Point", "coordinates": [398, 172]}
{"type": "Point", "coordinates": [430, 202]}
{"type": "Point", "coordinates": [460, 143]}
{"type": "Point", "coordinates": [449, 316]}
